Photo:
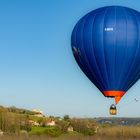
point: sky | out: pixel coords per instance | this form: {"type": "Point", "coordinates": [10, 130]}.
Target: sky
{"type": "Point", "coordinates": [37, 68]}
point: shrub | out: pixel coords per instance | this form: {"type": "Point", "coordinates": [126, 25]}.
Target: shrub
{"type": "Point", "coordinates": [53, 131]}
{"type": "Point", "coordinates": [84, 126]}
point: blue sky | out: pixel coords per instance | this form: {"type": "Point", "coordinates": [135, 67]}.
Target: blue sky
{"type": "Point", "coordinates": [37, 68]}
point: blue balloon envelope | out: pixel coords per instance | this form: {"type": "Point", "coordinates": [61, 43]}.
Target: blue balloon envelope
{"type": "Point", "coordinates": [106, 46]}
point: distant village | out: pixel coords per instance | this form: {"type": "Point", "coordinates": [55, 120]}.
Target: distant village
{"type": "Point", "coordinates": [47, 122]}
{"type": "Point", "coordinates": [39, 113]}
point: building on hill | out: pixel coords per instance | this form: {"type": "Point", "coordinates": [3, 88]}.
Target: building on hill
{"type": "Point", "coordinates": [50, 123]}
{"type": "Point", "coordinates": [34, 123]}
{"type": "Point", "coordinates": [1, 132]}
{"type": "Point", "coordinates": [70, 129]}
{"type": "Point", "coordinates": [38, 113]}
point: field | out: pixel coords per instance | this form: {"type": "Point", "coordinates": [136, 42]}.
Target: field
{"type": "Point", "coordinates": [64, 138]}
{"type": "Point", "coordinates": [107, 133]}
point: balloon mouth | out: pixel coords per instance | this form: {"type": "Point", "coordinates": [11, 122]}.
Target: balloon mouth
{"type": "Point", "coordinates": [117, 94]}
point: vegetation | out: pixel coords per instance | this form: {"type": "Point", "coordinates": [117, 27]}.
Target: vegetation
{"type": "Point", "coordinates": [12, 122]}
{"type": "Point", "coordinates": [120, 131]}
{"type": "Point", "coordinates": [54, 131]}
{"type": "Point", "coordinates": [20, 124]}
{"type": "Point", "coordinates": [84, 126]}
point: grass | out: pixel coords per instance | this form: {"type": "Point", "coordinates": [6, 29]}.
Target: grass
{"type": "Point", "coordinates": [63, 138]}
{"type": "Point", "coordinates": [37, 130]}
{"type": "Point", "coordinates": [52, 131]}
{"type": "Point", "coordinates": [120, 131]}
{"type": "Point", "coordinates": [104, 133]}
{"type": "Point", "coordinates": [108, 131]}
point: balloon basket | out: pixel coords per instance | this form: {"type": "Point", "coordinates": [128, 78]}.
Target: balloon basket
{"type": "Point", "coordinates": [113, 110]}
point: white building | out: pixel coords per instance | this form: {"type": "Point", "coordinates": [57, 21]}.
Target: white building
{"type": "Point", "coordinates": [38, 113]}
{"type": "Point", "coordinates": [50, 123]}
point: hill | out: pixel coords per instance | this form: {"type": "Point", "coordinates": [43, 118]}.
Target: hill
{"type": "Point", "coordinates": [118, 121]}
{"type": "Point", "coordinates": [16, 121]}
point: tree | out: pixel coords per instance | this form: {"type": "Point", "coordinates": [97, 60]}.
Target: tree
{"type": "Point", "coordinates": [66, 117]}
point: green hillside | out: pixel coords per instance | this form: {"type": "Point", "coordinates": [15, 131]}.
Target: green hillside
{"type": "Point", "coordinates": [18, 122]}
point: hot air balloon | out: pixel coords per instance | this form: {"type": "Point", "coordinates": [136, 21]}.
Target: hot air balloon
{"type": "Point", "coordinates": [106, 46]}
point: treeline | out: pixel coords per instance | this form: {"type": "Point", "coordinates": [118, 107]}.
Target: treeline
{"type": "Point", "coordinates": [118, 121]}
{"type": "Point", "coordinates": [18, 110]}
{"type": "Point", "coordinates": [83, 126]}
{"type": "Point", "coordinates": [13, 122]}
